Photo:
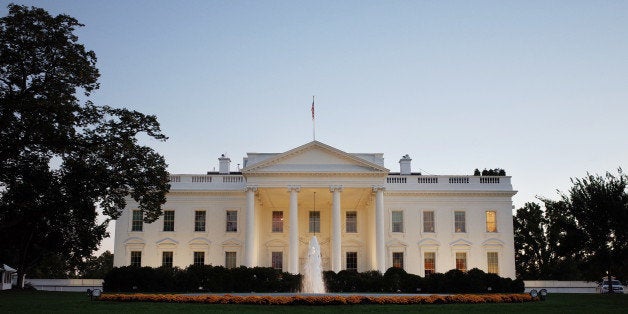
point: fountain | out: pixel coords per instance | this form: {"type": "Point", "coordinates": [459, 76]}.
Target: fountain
{"type": "Point", "coordinates": [313, 272]}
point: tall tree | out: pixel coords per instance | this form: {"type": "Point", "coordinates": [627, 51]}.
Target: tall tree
{"type": "Point", "coordinates": [61, 157]}
{"type": "Point", "coordinates": [599, 205]}
{"type": "Point", "coordinates": [531, 247]}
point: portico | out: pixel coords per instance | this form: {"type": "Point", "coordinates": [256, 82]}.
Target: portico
{"type": "Point", "coordinates": [319, 180]}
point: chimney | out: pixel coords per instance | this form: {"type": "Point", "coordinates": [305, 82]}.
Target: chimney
{"type": "Point", "coordinates": [404, 165]}
{"type": "Point", "coordinates": [223, 164]}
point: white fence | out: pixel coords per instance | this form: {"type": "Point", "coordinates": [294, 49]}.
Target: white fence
{"type": "Point", "coordinates": [68, 285]}
{"type": "Point", "coordinates": [555, 286]}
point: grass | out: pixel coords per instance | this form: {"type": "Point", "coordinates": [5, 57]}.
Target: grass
{"type": "Point", "coordinates": [70, 302]}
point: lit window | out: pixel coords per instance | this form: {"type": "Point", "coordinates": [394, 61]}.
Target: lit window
{"type": "Point", "coordinates": [491, 221]}
{"type": "Point", "coordinates": [398, 259]}
{"type": "Point", "coordinates": [199, 220]}
{"type": "Point", "coordinates": [232, 221]}
{"type": "Point", "coordinates": [461, 261]}
{"type": "Point", "coordinates": [277, 221]}
{"type": "Point", "coordinates": [136, 258]}
{"type": "Point", "coordinates": [169, 220]}
{"type": "Point", "coordinates": [199, 258]}
{"type": "Point", "coordinates": [351, 222]}
{"type": "Point", "coordinates": [230, 259]}
{"type": "Point", "coordinates": [429, 263]}
{"type": "Point", "coordinates": [137, 222]}
{"type": "Point", "coordinates": [493, 263]}
{"type": "Point", "coordinates": [352, 261]}
{"type": "Point", "coordinates": [166, 259]}
{"type": "Point", "coordinates": [277, 260]}
{"type": "Point", "coordinates": [460, 224]}
{"type": "Point", "coordinates": [397, 221]}
{"type": "Point", "coordinates": [428, 221]}
{"type": "Point", "coordinates": [315, 222]}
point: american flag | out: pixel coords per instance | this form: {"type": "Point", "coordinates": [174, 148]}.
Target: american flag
{"type": "Point", "coordinates": [312, 107]}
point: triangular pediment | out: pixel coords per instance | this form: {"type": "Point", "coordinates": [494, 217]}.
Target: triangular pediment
{"type": "Point", "coordinates": [315, 157]}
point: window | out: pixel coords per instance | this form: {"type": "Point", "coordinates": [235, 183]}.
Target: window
{"type": "Point", "coordinates": [429, 263]}
{"type": "Point", "coordinates": [397, 221]}
{"type": "Point", "coordinates": [169, 220]}
{"type": "Point", "coordinates": [136, 258]}
{"type": "Point", "coordinates": [277, 221]}
{"type": "Point", "coordinates": [491, 221]}
{"type": "Point", "coordinates": [461, 261]}
{"type": "Point", "coordinates": [137, 223]}
{"type": "Point", "coordinates": [493, 264]}
{"type": "Point", "coordinates": [428, 221]}
{"type": "Point", "coordinates": [166, 259]}
{"type": "Point", "coordinates": [277, 260]}
{"type": "Point", "coordinates": [352, 261]}
{"type": "Point", "coordinates": [232, 221]}
{"type": "Point", "coordinates": [351, 222]}
{"type": "Point", "coordinates": [199, 258]}
{"type": "Point", "coordinates": [199, 220]}
{"type": "Point", "coordinates": [398, 259]}
{"type": "Point", "coordinates": [460, 224]}
{"type": "Point", "coordinates": [230, 259]}
{"type": "Point", "coordinates": [315, 222]}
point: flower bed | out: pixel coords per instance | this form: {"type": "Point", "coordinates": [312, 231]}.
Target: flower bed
{"type": "Point", "coordinates": [319, 300]}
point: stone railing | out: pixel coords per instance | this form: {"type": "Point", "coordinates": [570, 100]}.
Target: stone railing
{"type": "Point", "coordinates": [210, 181]}
{"type": "Point", "coordinates": [436, 182]}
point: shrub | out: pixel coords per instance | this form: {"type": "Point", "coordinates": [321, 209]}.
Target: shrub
{"type": "Point", "coordinates": [200, 278]}
{"type": "Point", "coordinates": [209, 278]}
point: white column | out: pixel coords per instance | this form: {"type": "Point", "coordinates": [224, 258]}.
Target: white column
{"type": "Point", "coordinates": [293, 264]}
{"type": "Point", "coordinates": [249, 231]}
{"type": "Point", "coordinates": [380, 249]}
{"type": "Point", "coordinates": [336, 258]}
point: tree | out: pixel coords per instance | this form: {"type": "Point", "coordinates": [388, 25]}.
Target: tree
{"type": "Point", "coordinates": [62, 157]}
{"type": "Point", "coordinates": [531, 246]}
{"type": "Point", "coordinates": [97, 267]}
{"type": "Point", "coordinates": [599, 206]}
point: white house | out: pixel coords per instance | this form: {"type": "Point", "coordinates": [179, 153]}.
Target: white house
{"type": "Point", "coordinates": [365, 217]}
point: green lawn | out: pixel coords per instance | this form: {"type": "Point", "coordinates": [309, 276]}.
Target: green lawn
{"type": "Point", "coordinates": [69, 302]}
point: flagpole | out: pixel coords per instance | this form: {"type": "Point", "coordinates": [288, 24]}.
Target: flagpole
{"type": "Point", "coordinates": [313, 121]}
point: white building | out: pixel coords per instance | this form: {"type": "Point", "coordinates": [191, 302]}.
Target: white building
{"type": "Point", "coordinates": [365, 217]}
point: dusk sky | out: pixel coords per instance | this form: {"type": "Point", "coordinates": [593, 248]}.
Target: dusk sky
{"type": "Point", "coordinates": [539, 88]}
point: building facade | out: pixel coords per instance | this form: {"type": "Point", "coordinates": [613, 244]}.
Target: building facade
{"type": "Point", "coordinates": [364, 216]}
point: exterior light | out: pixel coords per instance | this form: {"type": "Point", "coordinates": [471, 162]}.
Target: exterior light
{"type": "Point", "coordinates": [93, 293]}
{"type": "Point", "coordinates": [489, 289]}
{"type": "Point", "coordinates": [543, 294]}
{"type": "Point", "coordinates": [534, 293]}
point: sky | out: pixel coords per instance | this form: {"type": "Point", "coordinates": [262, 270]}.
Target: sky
{"type": "Point", "coordinates": [538, 88]}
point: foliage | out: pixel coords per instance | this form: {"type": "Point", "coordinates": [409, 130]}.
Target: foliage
{"type": "Point", "coordinates": [581, 236]}
{"type": "Point", "coordinates": [97, 267]}
{"type": "Point", "coordinates": [397, 280]}
{"type": "Point", "coordinates": [63, 157]}
{"type": "Point", "coordinates": [531, 245]}
{"type": "Point", "coordinates": [204, 278]}
{"type": "Point", "coordinates": [207, 278]}
{"type": "Point", "coordinates": [319, 300]}
{"type": "Point", "coordinates": [489, 172]}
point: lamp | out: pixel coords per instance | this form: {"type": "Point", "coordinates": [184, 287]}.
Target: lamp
{"type": "Point", "coordinates": [543, 294]}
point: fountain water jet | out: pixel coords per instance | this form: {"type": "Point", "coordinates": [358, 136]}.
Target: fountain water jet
{"type": "Point", "coordinates": [313, 272]}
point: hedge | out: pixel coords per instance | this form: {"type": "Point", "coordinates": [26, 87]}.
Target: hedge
{"type": "Point", "coordinates": [200, 278]}
{"type": "Point", "coordinates": [207, 278]}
